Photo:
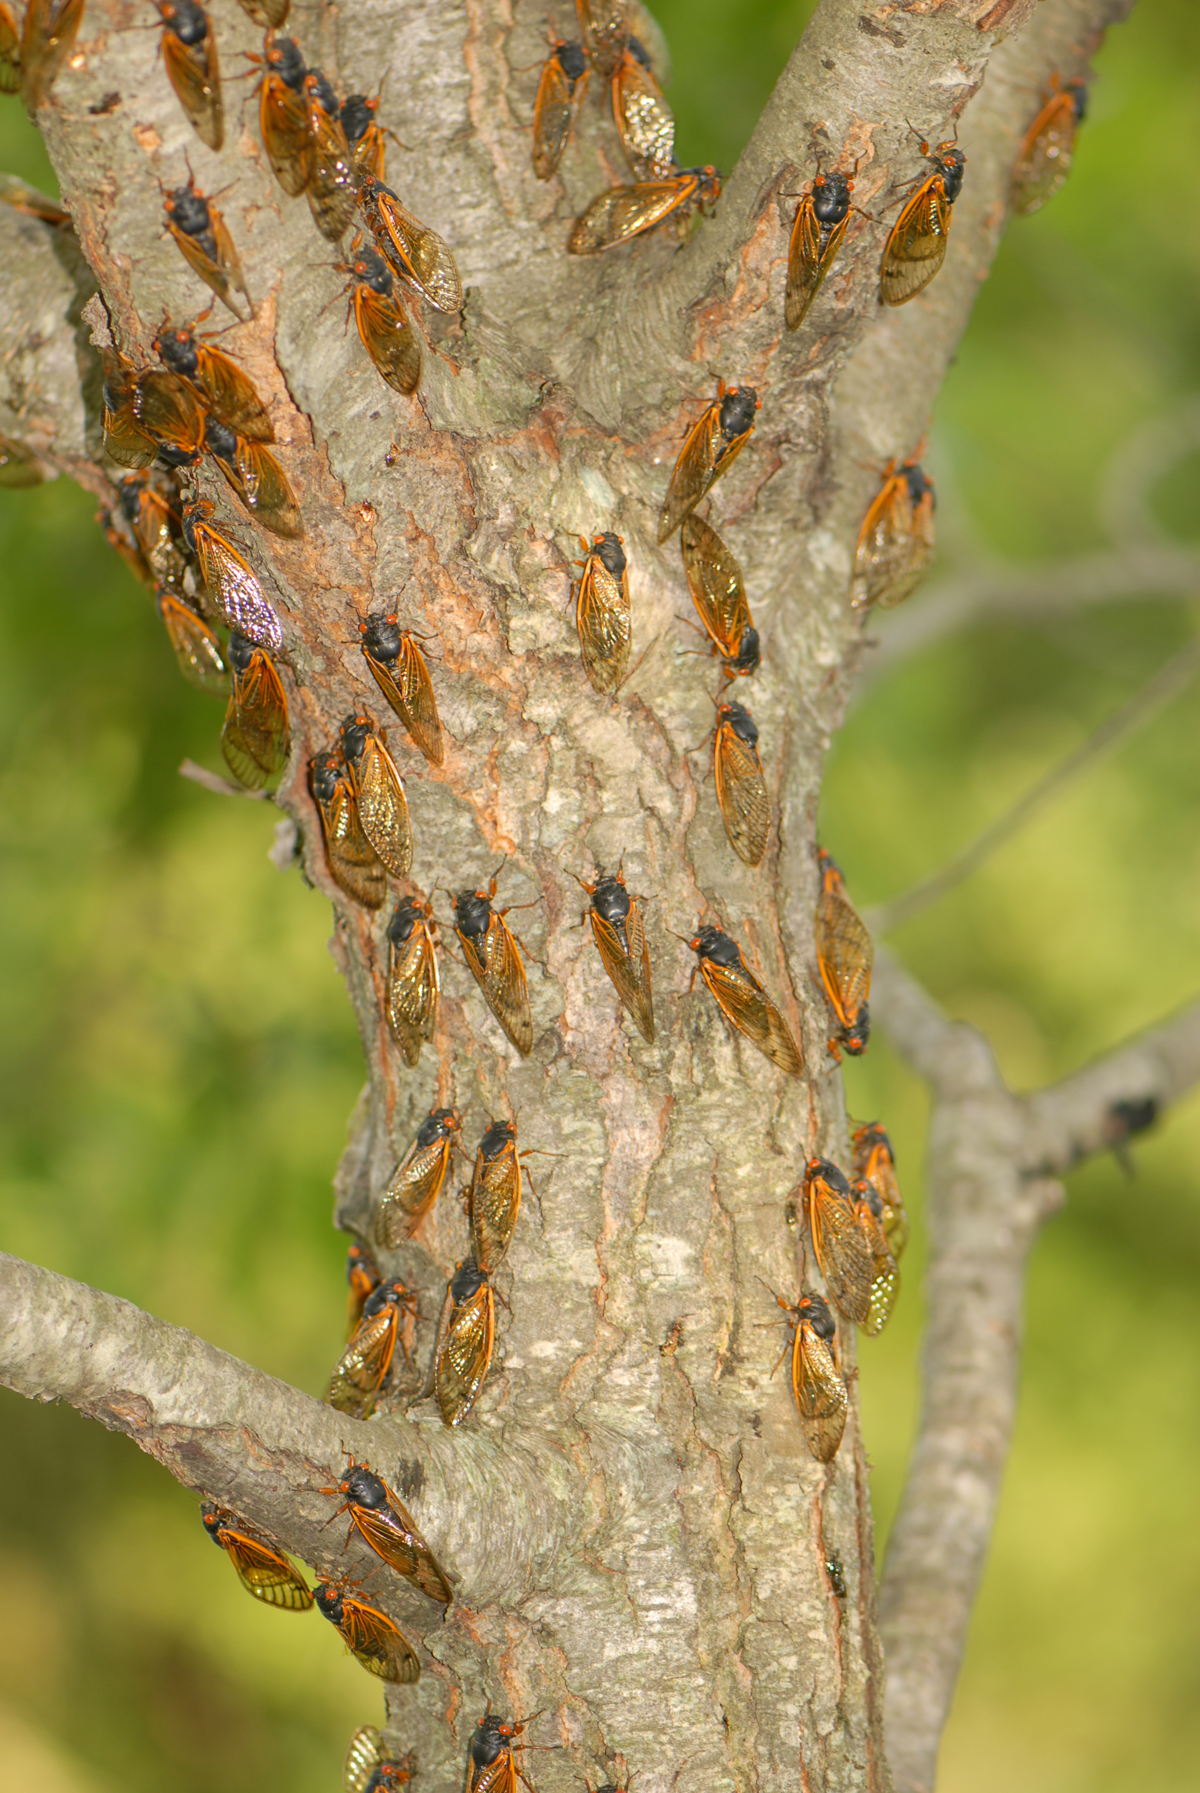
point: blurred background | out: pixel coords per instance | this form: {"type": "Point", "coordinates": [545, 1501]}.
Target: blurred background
{"type": "Point", "coordinates": [179, 1063]}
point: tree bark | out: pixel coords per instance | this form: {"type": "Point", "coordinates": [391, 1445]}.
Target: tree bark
{"type": "Point", "coordinates": [671, 1612]}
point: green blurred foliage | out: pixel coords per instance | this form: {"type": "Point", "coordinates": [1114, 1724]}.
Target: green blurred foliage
{"type": "Point", "coordinates": [178, 1060]}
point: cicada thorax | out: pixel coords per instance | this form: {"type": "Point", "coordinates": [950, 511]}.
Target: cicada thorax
{"type": "Point", "coordinates": [719, 594]}
{"type": "Point", "coordinates": [495, 962]}
{"type": "Point", "coordinates": [466, 1336]}
{"type": "Point", "coordinates": [493, 1766]}
{"type": "Point", "coordinates": [419, 255]}
{"type": "Point", "coordinates": [353, 862]}
{"type": "Point", "coordinates": [604, 28]}
{"type": "Point", "coordinates": [844, 958]}
{"type": "Point", "coordinates": [283, 113]}
{"type": "Point", "coordinates": [622, 213]}
{"type": "Point", "coordinates": [332, 178]}
{"type": "Point", "coordinates": [417, 1180]}
{"type": "Point", "coordinates": [842, 1252]}
{"type": "Point", "coordinates": [364, 136]}
{"type": "Point", "coordinates": [384, 327]}
{"type": "Point", "coordinates": [252, 471]}
{"type": "Point", "coordinates": [235, 593]}
{"type": "Point", "coordinates": [742, 999]}
{"type": "Point", "coordinates": [197, 650]}
{"type": "Point", "coordinates": [412, 989]}
{"type": "Point", "coordinates": [255, 737]}
{"type": "Point", "coordinates": [219, 384]}
{"type": "Point", "coordinates": [202, 239]}
{"type": "Point", "coordinates": [398, 667]}
{"type": "Point", "coordinates": [363, 1277]}
{"type": "Point", "coordinates": [916, 248]}
{"type": "Point", "coordinates": [47, 36]}
{"type": "Point", "coordinates": [379, 793]}
{"type": "Point", "coordinates": [875, 1163]}
{"type": "Point", "coordinates": [896, 541]}
{"type": "Point", "coordinates": [380, 1517]}
{"type": "Point", "coordinates": [885, 1277]}
{"type": "Point", "coordinates": [262, 1567]}
{"type": "Point", "coordinates": [603, 614]}
{"type": "Point", "coordinates": [364, 1370]}
{"type": "Point", "coordinates": [817, 1384]}
{"type": "Point", "coordinates": [644, 121]}
{"type": "Point", "coordinates": [741, 787]}
{"type": "Point", "coordinates": [375, 1640]}
{"type": "Point", "coordinates": [1048, 148]}
{"type": "Point", "coordinates": [620, 937]}
{"type": "Point", "coordinates": [189, 49]}
{"type": "Point", "coordinates": [713, 444]}
{"type": "Point", "coordinates": [817, 232]}
{"type": "Point", "coordinates": [560, 90]}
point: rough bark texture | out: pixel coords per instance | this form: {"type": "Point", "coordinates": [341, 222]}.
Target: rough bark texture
{"type": "Point", "coordinates": [636, 1526]}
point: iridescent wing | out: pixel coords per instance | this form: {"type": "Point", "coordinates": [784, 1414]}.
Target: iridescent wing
{"type": "Point", "coordinates": [644, 121]}
{"type": "Point", "coordinates": [1046, 153]}
{"type": "Point", "coordinates": [415, 1186]}
{"type": "Point", "coordinates": [883, 556]}
{"type": "Point", "coordinates": [419, 255]}
{"type": "Point", "coordinates": [254, 739]}
{"type": "Point", "coordinates": [389, 339]}
{"type": "Point", "coordinates": [841, 1250]}
{"type": "Point", "coordinates": [367, 1748]}
{"type": "Point", "coordinates": [500, 974]}
{"type": "Point", "coordinates": [383, 807]}
{"type": "Point", "coordinates": [604, 27]}
{"type": "Point", "coordinates": [167, 407]}
{"type": "Point", "coordinates": [845, 953]}
{"type": "Point", "coordinates": [624, 212]}
{"type": "Point", "coordinates": [234, 590]}
{"type": "Point", "coordinates": [746, 1006]}
{"type": "Point", "coordinates": [495, 1201]}
{"type": "Point", "coordinates": [916, 248]}
{"type": "Point", "coordinates": [914, 557]}
{"type": "Point", "coordinates": [821, 1399]}
{"type": "Point", "coordinates": [626, 958]}
{"type": "Point", "coordinates": [741, 794]}
{"type": "Point", "coordinates": [553, 114]}
{"type": "Point", "coordinates": [885, 1277]}
{"type": "Point", "coordinates": [464, 1353]}
{"type": "Point", "coordinates": [715, 582]}
{"type": "Point", "coordinates": [412, 992]}
{"type": "Point", "coordinates": [265, 489]}
{"type": "Point", "coordinates": [283, 120]}
{"type": "Point", "coordinates": [705, 456]}
{"type": "Point", "coordinates": [605, 623]}
{"type": "Point", "coordinates": [332, 187]}
{"type": "Point", "coordinates": [196, 647]}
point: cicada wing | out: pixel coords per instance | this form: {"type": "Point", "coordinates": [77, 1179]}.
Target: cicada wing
{"type": "Point", "coordinates": [383, 807]}
{"type": "Point", "coordinates": [364, 1365]}
{"type": "Point", "coordinates": [392, 1534]}
{"type": "Point", "coordinates": [495, 1202]}
{"type": "Point", "coordinates": [464, 1353]}
{"type": "Point", "coordinates": [367, 1748]}
{"type": "Point", "coordinates": [820, 1392]}
{"type": "Point", "coordinates": [254, 739]}
{"type": "Point", "coordinates": [885, 1277]}
{"type": "Point", "coordinates": [553, 115]}
{"type": "Point", "coordinates": [266, 490]}
{"type": "Point", "coordinates": [1046, 155]}
{"type": "Point", "coordinates": [197, 649]}
{"type": "Point", "coordinates": [914, 554]}
{"type": "Point", "coordinates": [270, 14]}
{"type": "Point", "coordinates": [845, 953]}
{"type": "Point", "coordinates": [645, 123]}
{"type": "Point", "coordinates": [746, 1006]}
{"type": "Point", "coordinates": [604, 27]}
{"type": "Point", "coordinates": [419, 712]}
{"type": "Point", "coordinates": [378, 1644]}
{"type": "Point", "coordinates": [125, 441]}
{"type": "Point", "coordinates": [221, 275]}
{"type": "Point", "coordinates": [694, 471]}
{"type": "Point", "coordinates": [194, 74]}
{"type": "Point", "coordinates": [884, 547]}
{"type": "Point", "coordinates": [235, 591]}
{"type": "Point", "coordinates": [715, 582]}
{"type": "Point", "coordinates": [916, 248]}
{"type": "Point", "coordinates": [412, 1192]}
{"type": "Point", "coordinates": [389, 339]}
{"type": "Point", "coordinates": [808, 261]}
{"type": "Point", "coordinates": [625, 212]}
{"type": "Point", "coordinates": [353, 861]}
{"type": "Point", "coordinates": [500, 973]}
{"type": "Point", "coordinates": [265, 1572]}
{"type": "Point", "coordinates": [166, 406]}
{"type": "Point", "coordinates": [231, 397]}
{"type": "Point", "coordinates": [627, 962]}
{"type": "Point", "coordinates": [332, 187]}
{"type": "Point", "coordinates": [412, 993]}
{"type": "Point", "coordinates": [422, 257]}
{"type": "Point", "coordinates": [741, 794]}
{"type": "Point", "coordinates": [841, 1251]}
{"type": "Point", "coordinates": [283, 120]}
{"type": "Point", "coordinates": [605, 623]}
{"type": "Point", "coordinates": [499, 1776]}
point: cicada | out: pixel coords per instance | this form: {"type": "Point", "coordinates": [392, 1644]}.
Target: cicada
{"type": "Point", "coordinates": [332, 181]}
{"type": "Point", "coordinates": [841, 1249]}
{"type": "Point", "coordinates": [352, 860]}
{"type": "Point", "coordinates": [411, 999]}
{"type": "Point", "coordinates": [369, 1635]}
{"type": "Point", "coordinates": [256, 476]}
{"type": "Point", "coordinates": [47, 38]}
{"type": "Point", "coordinates": [398, 667]}
{"type": "Point", "coordinates": [379, 793]}
{"type": "Point", "coordinates": [1048, 148]}
{"type": "Point", "coordinates": [713, 443]}
{"type": "Point", "coordinates": [602, 612]}
{"type": "Point", "coordinates": [896, 542]}
{"type": "Point", "coordinates": [235, 592]}
{"type": "Point", "coordinates": [283, 113]}
{"type": "Point", "coordinates": [493, 1766]}
{"type": "Point", "coordinates": [494, 960]}
{"type": "Point", "coordinates": [361, 1373]}
{"type": "Point", "coordinates": [817, 232]}
{"type": "Point", "coordinates": [157, 526]}
{"type": "Point", "coordinates": [363, 135]}
{"type": "Point", "coordinates": [126, 441]}
{"type": "Point", "coordinates": [644, 121]}
{"type": "Point", "coordinates": [379, 1515]}
{"type": "Point", "coordinates": [368, 1767]}
{"type": "Point", "coordinates": [559, 93]}
{"type": "Point", "coordinates": [626, 212]}
{"type": "Point", "coordinates": [415, 252]}
{"type": "Point", "coordinates": [262, 1567]}
{"type": "Point", "coordinates": [715, 582]}
{"type": "Point", "coordinates": [268, 13]}
{"type": "Point", "coordinates": [916, 248]}
{"type": "Point", "coordinates": [741, 787]}
{"type": "Point", "coordinates": [190, 53]}
{"type": "Point", "coordinates": [10, 50]}
{"type": "Point", "coordinates": [383, 324]}
{"type": "Point", "coordinates": [742, 999]}
{"type": "Point", "coordinates": [204, 242]}
{"type": "Point", "coordinates": [875, 1163]}
{"type": "Point", "coordinates": [197, 650]}
{"type": "Point", "coordinates": [821, 1399]}
{"type": "Point", "coordinates": [494, 1197]}
{"type": "Point", "coordinates": [254, 739]}
{"type": "Point", "coordinates": [417, 1180]}
{"type": "Point", "coordinates": [466, 1334]}
{"type": "Point", "coordinates": [885, 1278]}
{"type": "Point", "coordinates": [167, 407]}
{"type": "Point", "coordinates": [363, 1277]}
{"type": "Point", "coordinates": [620, 938]}
{"type": "Point", "coordinates": [219, 383]}
{"type": "Point", "coordinates": [844, 958]}
{"type": "Point", "coordinates": [604, 27]}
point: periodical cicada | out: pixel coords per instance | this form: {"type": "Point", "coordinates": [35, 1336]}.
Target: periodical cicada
{"type": "Point", "coordinates": [362, 1371]}
{"type": "Point", "coordinates": [376, 1641]}
{"type": "Point", "coordinates": [713, 444]}
{"type": "Point", "coordinates": [283, 113]}
{"type": "Point", "coordinates": [417, 1180]}
{"type": "Point", "coordinates": [254, 739]}
{"type": "Point", "coordinates": [494, 1196]}
{"type": "Point", "coordinates": [466, 1334]}
{"type": "Point", "coordinates": [363, 135]}
{"type": "Point", "coordinates": [189, 50]}
{"type": "Point", "coordinates": [494, 960]}
{"type": "Point", "coordinates": [352, 860]}
{"type": "Point", "coordinates": [820, 1392]}
{"type": "Point", "coordinates": [1048, 147]}
{"type": "Point", "coordinates": [560, 90]}
{"type": "Point", "coordinates": [494, 1768]}
{"type": "Point", "coordinates": [197, 650]}
{"type": "Point", "coordinates": [620, 937]}
{"type": "Point", "coordinates": [156, 521]}
{"type": "Point", "coordinates": [896, 542]}
{"type": "Point", "coordinates": [235, 592]}
{"type": "Point", "coordinates": [602, 612]}
{"type": "Point", "coordinates": [363, 1276]}
{"type": "Point", "coordinates": [411, 990]}
{"type": "Point", "coordinates": [167, 407]}
{"type": "Point", "coordinates": [916, 248]}
{"type": "Point", "coordinates": [885, 1278]}
{"type": "Point", "coordinates": [742, 999]}
{"type": "Point", "coordinates": [332, 180]}
{"type": "Point", "coordinates": [741, 787]}
{"type": "Point", "coordinates": [381, 1518]}
{"type": "Point", "coordinates": [719, 594]}
{"type": "Point", "coordinates": [219, 383]}
{"type": "Point", "coordinates": [383, 324]}
{"type": "Point", "coordinates": [379, 793]}
{"type": "Point", "coordinates": [875, 1163]}
{"type": "Point", "coordinates": [252, 471]}
{"type": "Point", "coordinates": [844, 958]}
{"type": "Point", "coordinates": [415, 252]}
{"type": "Point", "coordinates": [125, 440]}
{"type": "Point", "coordinates": [262, 1567]}
{"type": "Point", "coordinates": [839, 1244]}
{"type": "Point", "coordinates": [203, 240]}
{"type": "Point", "coordinates": [47, 38]}
{"type": "Point", "coordinates": [369, 1769]}
{"type": "Point", "coordinates": [398, 667]}
{"type": "Point", "coordinates": [817, 232]}
{"type": "Point", "coordinates": [604, 28]}
{"type": "Point", "coordinates": [645, 123]}
{"type": "Point", "coordinates": [622, 213]}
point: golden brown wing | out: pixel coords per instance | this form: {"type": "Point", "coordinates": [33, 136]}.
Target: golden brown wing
{"type": "Point", "coordinates": [268, 13]}
{"type": "Point", "coordinates": [746, 1006]}
{"type": "Point", "coordinates": [553, 113]}
{"type": "Point", "coordinates": [624, 212]}
{"type": "Point", "coordinates": [821, 1399]}
{"type": "Point", "coordinates": [196, 647]}
{"type": "Point", "coordinates": [219, 275]}
{"type": "Point", "coordinates": [715, 582]}
{"type": "Point", "coordinates": [363, 1367]}
{"type": "Point", "coordinates": [389, 339]}
{"type": "Point", "coordinates": [644, 121]}
{"type": "Point", "coordinates": [234, 590]}
{"type": "Point", "coordinates": [10, 46]}
{"type": "Point", "coordinates": [283, 120]}
{"type": "Point", "coordinates": [884, 547]}
{"type": "Point", "coordinates": [741, 794]}
{"type": "Point", "coordinates": [353, 861]}
{"type": "Point", "coordinates": [367, 1750]}
{"type": "Point", "coordinates": [412, 992]}
{"type": "Point", "coordinates": [809, 260]}
{"type": "Point", "coordinates": [845, 953]}
{"type": "Point", "coordinates": [694, 471]}
{"type": "Point", "coordinates": [332, 188]}
{"type": "Point", "coordinates": [166, 406]}
{"type": "Point", "coordinates": [378, 1644]}
{"type": "Point", "coordinates": [265, 1572]}
{"type": "Point", "coordinates": [914, 552]}
{"type": "Point", "coordinates": [383, 807]}
{"type": "Point", "coordinates": [464, 1354]}
{"type": "Point", "coordinates": [1046, 154]}
{"type": "Point", "coordinates": [841, 1250]}
{"type": "Point", "coordinates": [916, 248]}
{"type": "Point", "coordinates": [266, 490]}
{"type": "Point", "coordinates": [391, 1533]}
{"type": "Point", "coordinates": [414, 1188]}
{"type": "Point", "coordinates": [194, 74]}
{"type": "Point", "coordinates": [254, 739]}
{"type": "Point", "coordinates": [408, 688]}
{"type": "Point", "coordinates": [500, 973]}
{"type": "Point", "coordinates": [605, 623]}
{"type": "Point", "coordinates": [604, 27]}
{"type": "Point", "coordinates": [230, 395]}
{"type": "Point", "coordinates": [495, 1201]}
{"type": "Point", "coordinates": [627, 962]}
{"type": "Point", "coordinates": [47, 36]}
{"type": "Point", "coordinates": [125, 439]}
{"type": "Point", "coordinates": [499, 1776]}
{"type": "Point", "coordinates": [420, 256]}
